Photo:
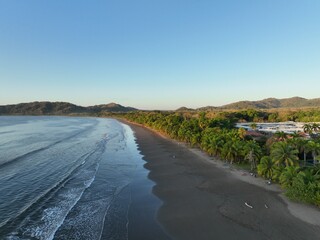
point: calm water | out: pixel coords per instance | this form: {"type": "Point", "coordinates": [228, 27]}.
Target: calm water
{"type": "Point", "coordinates": [59, 177]}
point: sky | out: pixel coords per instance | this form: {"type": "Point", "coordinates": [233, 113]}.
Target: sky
{"type": "Point", "coordinates": [158, 54]}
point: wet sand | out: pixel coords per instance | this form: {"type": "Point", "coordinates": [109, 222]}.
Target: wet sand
{"type": "Point", "coordinates": [205, 199]}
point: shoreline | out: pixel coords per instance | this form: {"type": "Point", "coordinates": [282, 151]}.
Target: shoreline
{"type": "Point", "coordinates": [303, 211]}
{"type": "Point", "coordinates": [191, 186]}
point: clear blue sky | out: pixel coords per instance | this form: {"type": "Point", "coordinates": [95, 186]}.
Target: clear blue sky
{"type": "Point", "coordinates": [158, 54]}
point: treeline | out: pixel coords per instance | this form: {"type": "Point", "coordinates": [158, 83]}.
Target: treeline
{"type": "Point", "coordinates": [281, 115]}
{"type": "Point", "coordinates": [279, 157]}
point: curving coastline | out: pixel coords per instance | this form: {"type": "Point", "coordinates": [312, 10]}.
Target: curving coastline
{"type": "Point", "coordinates": [202, 200]}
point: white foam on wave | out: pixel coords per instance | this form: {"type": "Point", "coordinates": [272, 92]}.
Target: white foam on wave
{"type": "Point", "coordinates": [86, 221]}
{"type": "Point", "coordinates": [88, 214]}
{"type": "Point", "coordinates": [53, 217]}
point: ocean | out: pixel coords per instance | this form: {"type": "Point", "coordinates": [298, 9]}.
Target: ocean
{"type": "Point", "coordinates": [67, 177]}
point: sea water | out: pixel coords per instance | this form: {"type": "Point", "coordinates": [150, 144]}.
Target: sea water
{"type": "Point", "coordinates": [60, 177]}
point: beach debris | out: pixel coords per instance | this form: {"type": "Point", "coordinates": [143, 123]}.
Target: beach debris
{"type": "Point", "coordinates": [269, 182]}
{"type": "Point", "coordinates": [248, 205]}
{"type": "Point", "coordinates": [266, 206]}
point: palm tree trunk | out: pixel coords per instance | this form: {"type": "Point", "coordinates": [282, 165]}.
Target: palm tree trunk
{"type": "Point", "coordinates": [304, 158]}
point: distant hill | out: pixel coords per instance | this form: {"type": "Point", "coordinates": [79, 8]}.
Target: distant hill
{"type": "Point", "coordinates": [65, 108]}
{"type": "Point", "coordinates": [294, 102]}
{"type": "Point", "coordinates": [184, 109]}
{"type": "Point", "coordinates": [59, 108]}
{"type": "Point", "coordinates": [268, 103]}
{"type": "Point", "coordinates": [111, 107]}
{"type": "Point", "coordinates": [207, 108]}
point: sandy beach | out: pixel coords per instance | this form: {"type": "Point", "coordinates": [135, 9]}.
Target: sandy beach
{"type": "Point", "coordinates": [203, 198]}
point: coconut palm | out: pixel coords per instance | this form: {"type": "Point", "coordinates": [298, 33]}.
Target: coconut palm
{"type": "Point", "coordinates": [253, 126]}
{"type": "Point", "coordinates": [284, 154]}
{"type": "Point", "coordinates": [230, 151]}
{"type": "Point", "coordinates": [252, 152]}
{"type": "Point", "coordinates": [309, 176]}
{"type": "Point", "coordinates": [242, 133]}
{"type": "Point", "coordinates": [211, 141]}
{"type": "Point", "coordinates": [316, 169]}
{"type": "Point", "coordinates": [205, 142]}
{"type": "Point", "coordinates": [277, 171]}
{"type": "Point", "coordinates": [280, 136]}
{"type": "Point", "coordinates": [203, 121]}
{"type": "Point", "coordinates": [314, 148]}
{"type": "Point", "coordinates": [233, 147]}
{"type": "Point", "coordinates": [266, 167]}
{"type": "Point", "coordinates": [219, 143]}
{"type": "Point", "coordinates": [300, 144]}
{"type": "Point", "coordinates": [307, 128]}
{"type": "Point", "coordinates": [315, 127]}
{"type": "Point", "coordinates": [295, 135]}
{"type": "Point", "coordinates": [288, 174]}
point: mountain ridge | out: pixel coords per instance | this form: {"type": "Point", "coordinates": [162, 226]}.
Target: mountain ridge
{"type": "Point", "coordinates": [59, 108]}
{"type": "Point", "coordinates": [65, 108]}
{"type": "Point", "coordinates": [264, 104]}
{"type": "Point", "coordinates": [269, 103]}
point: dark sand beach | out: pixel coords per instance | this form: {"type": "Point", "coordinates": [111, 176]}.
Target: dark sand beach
{"type": "Point", "coordinates": [202, 200]}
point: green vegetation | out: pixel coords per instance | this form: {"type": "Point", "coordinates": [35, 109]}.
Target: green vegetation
{"type": "Point", "coordinates": [280, 157]}
{"type": "Point", "coordinates": [270, 103]}
{"type": "Point", "coordinates": [61, 108]}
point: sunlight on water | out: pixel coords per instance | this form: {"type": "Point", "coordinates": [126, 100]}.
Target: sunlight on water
{"type": "Point", "coordinates": [59, 175]}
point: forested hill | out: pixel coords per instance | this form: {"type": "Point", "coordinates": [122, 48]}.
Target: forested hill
{"type": "Point", "coordinates": [65, 108]}
{"type": "Point", "coordinates": [269, 103]}
{"type": "Point", "coordinates": [60, 108]}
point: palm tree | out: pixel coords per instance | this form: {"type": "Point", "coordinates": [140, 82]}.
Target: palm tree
{"type": "Point", "coordinates": [205, 142]}
{"type": "Point", "coordinates": [300, 144]}
{"type": "Point", "coordinates": [242, 133]}
{"type": "Point", "coordinates": [284, 154]}
{"type": "Point", "coordinates": [315, 127]}
{"type": "Point", "coordinates": [203, 121]}
{"type": "Point", "coordinates": [233, 146]}
{"type": "Point", "coordinates": [229, 151]}
{"type": "Point", "coordinates": [295, 135]}
{"type": "Point", "coordinates": [277, 171]}
{"type": "Point", "coordinates": [309, 176]}
{"type": "Point", "coordinates": [252, 152]}
{"type": "Point", "coordinates": [287, 176]}
{"type": "Point", "coordinates": [266, 167]}
{"type": "Point", "coordinates": [314, 148]}
{"type": "Point", "coordinates": [311, 128]}
{"type": "Point", "coordinates": [316, 169]}
{"type": "Point", "coordinates": [216, 145]}
{"type": "Point", "coordinates": [253, 126]}
{"type": "Point", "coordinates": [280, 136]}
{"type": "Point", "coordinates": [307, 128]}
{"type": "Point", "coordinates": [219, 145]}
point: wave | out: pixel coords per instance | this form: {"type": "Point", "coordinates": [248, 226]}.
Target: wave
{"type": "Point", "coordinates": [47, 194]}
{"type": "Point", "coordinates": [28, 154]}
{"type": "Point", "coordinates": [93, 202]}
{"type": "Point", "coordinates": [41, 223]}
{"type": "Point", "coordinates": [4, 132]}
{"type": "Point", "coordinates": [73, 184]}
